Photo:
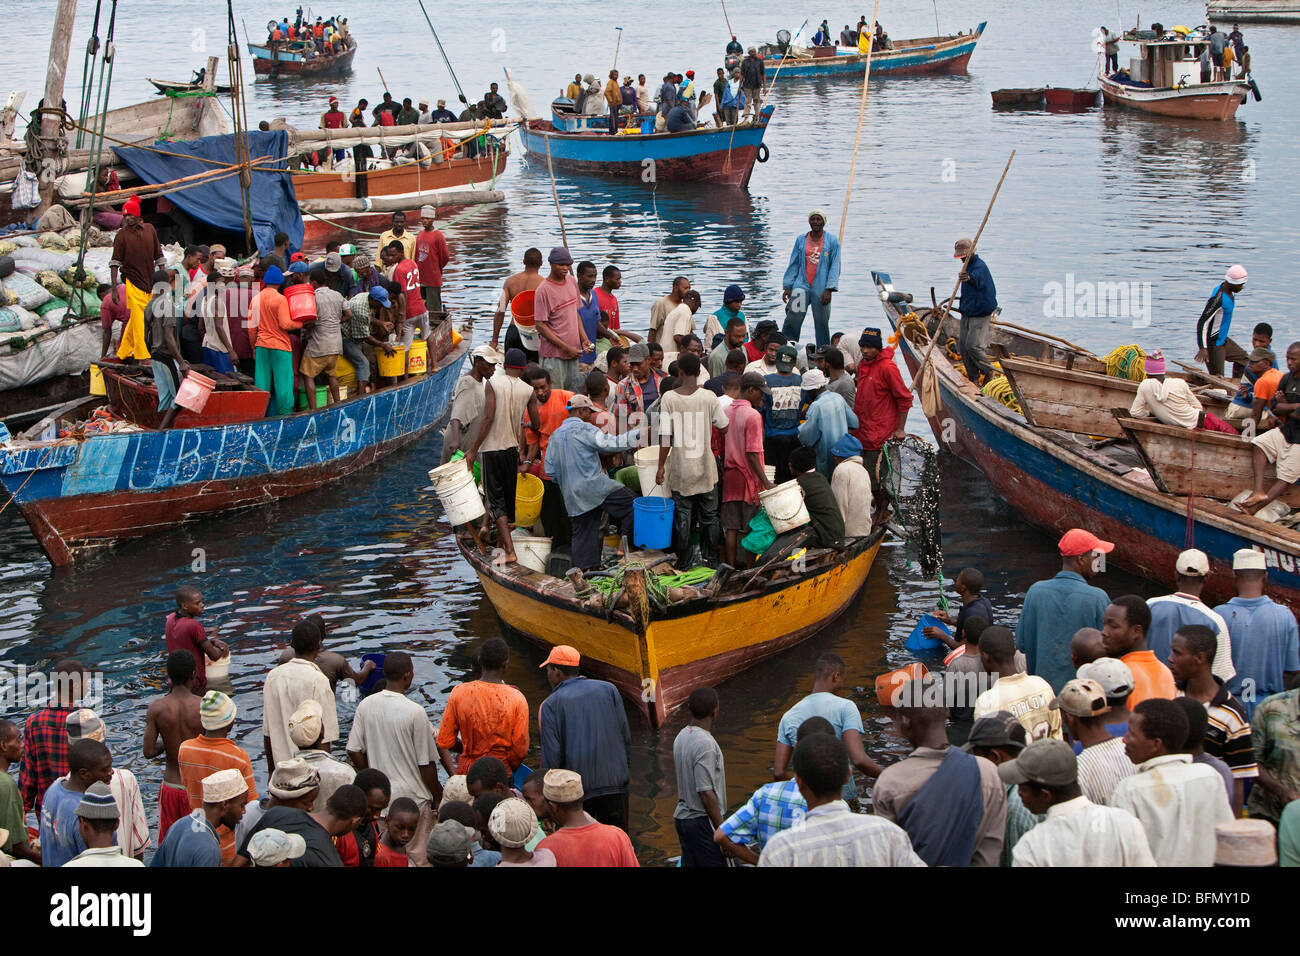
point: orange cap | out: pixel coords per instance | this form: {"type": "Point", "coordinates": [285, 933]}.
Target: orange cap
{"type": "Point", "coordinates": [563, 655]}
{"type": "Point", "coordinates": [1077, 541]}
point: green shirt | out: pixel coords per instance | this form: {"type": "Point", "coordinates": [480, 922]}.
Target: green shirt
{"type": "Point", "coordinates": [1275, 733]}
{"type": "Point", "coordinates": [408, 117]}
{"type": "Point", "coordinates": [11, 813]}
{"type": "Point", "coordinates": [1288, 836]}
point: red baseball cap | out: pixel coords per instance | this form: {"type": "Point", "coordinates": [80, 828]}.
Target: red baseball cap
{"type": "Point", "coordinates": [298, 257]}
{"type": "Point", "coordinates": [563, 655]}
{"type": "Point", "coordinates": [1077, 541]}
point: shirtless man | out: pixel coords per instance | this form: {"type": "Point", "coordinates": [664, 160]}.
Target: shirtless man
{"type": "Point", "coordinates": [332, 665]}
{"type": "Point", "coordinates": [524, 281]}
{"type": "Point", "coordinates": [174, 717]}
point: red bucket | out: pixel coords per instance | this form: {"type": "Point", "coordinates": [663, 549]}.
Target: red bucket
{"type": "Point", "coordinates": [194, 391]}
{"type": "Point", "coordinates": [302, 302]}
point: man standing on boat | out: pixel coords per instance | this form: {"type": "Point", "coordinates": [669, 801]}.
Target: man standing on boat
{"type": "Point", "coordinates": [556, 313]}
{"type": "Point", "coordinates": [432, 256]}
{"type": "Point", "coordinates": [1212, 342]}
{"type": "Point", "coordinates": [613, 100]}
{"type": "Point", "coordinates": [1110, 46]}
{"type": "Point", "coordinates": [811, 277]}
{"type": "Point", "coordinates": [136, 253]}
{"type": "Point", "coordinates": [978, 304]}
{"type": "Point", "coordinates": [526, 281]}
{"type": "Point", "coordinates": [881, 403]}
{"type": "Point", "coordinates": [753, 80]}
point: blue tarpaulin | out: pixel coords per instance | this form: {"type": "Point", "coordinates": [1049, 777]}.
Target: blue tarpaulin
{"type": "Point", "coordinates": [219, 203]}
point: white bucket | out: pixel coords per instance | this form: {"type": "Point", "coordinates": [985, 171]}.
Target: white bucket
{"type": "Point", "coordinates": [448, 475]}
{"type": "Point", "coordinates": [532, 552]}
{"type": "Point", "coordinates": [461, 500]}
{"type": "Point", "coordinates": [784, 506]}
{"type": "Point", "coordinates": [218, 669]}
{"type": "Point", "coordinates": [647, 465]}
{"type": "Point", "coordinates": [770, 471]}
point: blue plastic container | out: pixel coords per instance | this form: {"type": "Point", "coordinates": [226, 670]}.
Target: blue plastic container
{"type": "Point", "coordinates": [652, 523]}
{"type": "Point", "coordinates": [647, 126]}
{"type": "Point", "coordinates": [918, 642]}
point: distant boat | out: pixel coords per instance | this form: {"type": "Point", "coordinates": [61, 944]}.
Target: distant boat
{"type": "Point", "coordinates": [1254, 11]}
{"type": "Point", "coordinates": [1019, 98]}
{"type": "Point", "coordinates": [946, 54]}
{"type": "Point", "coordinates": [723, 156]}
{"type": "Point", "coordinates": [166, 86]}
{"type": "Point", "coordinates": [299, 59]}
{"type": "Point", "coordinates": [1166, 80]}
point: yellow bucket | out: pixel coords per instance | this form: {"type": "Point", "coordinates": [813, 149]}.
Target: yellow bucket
{"type": "Point", "coordinates": [528, 500]}
{"type": "Point", "coordinates": [392, 366]}
{"type": "Point", "coordinates": [455, 337]}
{"type": "Point", "coordinates": [417, 358]}
{"type": "Point", "coordinates": [97, 381]}
{"type": "Point", "coordinates": [346, 373]}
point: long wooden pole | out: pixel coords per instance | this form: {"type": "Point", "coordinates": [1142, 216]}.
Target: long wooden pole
{"type": "Point", "coordinates": [964, 263]}
{"type": "Point", "coordinates": [51, 123]}
{"type": "Point", "coordinates": [564, 237]}
{"type": "Point", "coordinates": [862, 113]}
{"type": "Point", "coordinates": [730, 32]}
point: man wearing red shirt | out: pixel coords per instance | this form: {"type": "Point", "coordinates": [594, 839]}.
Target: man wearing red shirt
{"type": "Point", "coordinates": [756, 347]}
{"type": "Point", "coordinates": [555, 310]}
{"type": "Point", "coordinates": [743, 472]}
{"type": "Point", "coordinates": [432, 256]}
{"type": "Point", "coordinates": [579, 839]}
{"type": "Point", "coordinates": [407, 276]}
{"type": "Point", "coordinates": [882, 402]}
{"type": "Point", "coordinates": [112, 308]}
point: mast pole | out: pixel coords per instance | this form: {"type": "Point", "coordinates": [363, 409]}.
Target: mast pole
{"type": "Point", "coordinates": [52, 122]}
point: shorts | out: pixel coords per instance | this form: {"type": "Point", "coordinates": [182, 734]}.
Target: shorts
{"type": "Point", "coordinates": [500, 471]}
{"type": "Point", "coordinates": [408, 328]}
{"type": "Point", "coordinates": [313, 365]}
{"type": "Point", "coordinates": [1283, 453]}
{"type": "Point", "coordinates": [1236, 413]}
{"type": "Point", "coordinates": [736, 515]}
{"type": "Point", "coordinates": [166, 378]}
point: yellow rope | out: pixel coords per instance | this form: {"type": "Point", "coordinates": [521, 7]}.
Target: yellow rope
{"type": "Point", "coordinates": [999, 389]}
{"type": "Point", "coordinates": [1127, 361]}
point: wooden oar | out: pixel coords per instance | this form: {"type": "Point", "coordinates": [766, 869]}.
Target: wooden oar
{"type": "Point", "coordinates": [564, 237]}
{"type": "Point", "coordinates": [965, 262]}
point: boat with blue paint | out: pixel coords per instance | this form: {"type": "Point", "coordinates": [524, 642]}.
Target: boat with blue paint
{"type": "Point", "coordinates": [921, 55]}
{"type": "Point", "coordinates": [1060, 480]}
{"type": "Point", "coordinates": [79, 492]}
{"type": "Point", "coordinates": [723, 156]}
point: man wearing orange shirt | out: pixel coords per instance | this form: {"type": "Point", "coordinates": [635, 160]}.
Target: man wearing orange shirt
{"type": "Point", "coordinates": [1124, 635]}
{"type": "Point", "coordinates": [211, 751]}
{"type": "Point", "coordinates": [272, 350]}
{"type": "Point", "coordinates": [579, 840]}
{"type": "Point", "coordinates": [489, 717]}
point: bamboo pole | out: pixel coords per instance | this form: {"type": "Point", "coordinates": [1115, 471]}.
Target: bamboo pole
{"type": "Point", "coordinates": [862, 113]}
{"type": "Point", "coordinates": [564, 238]}
{"type": "Point", "coordinates": [965, 262]}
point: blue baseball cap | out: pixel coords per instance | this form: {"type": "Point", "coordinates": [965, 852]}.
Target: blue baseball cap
{"type": "Point", "coordinates": [380, 295]}
{"type": "Point", "coordinates": [846, 447]}
{"type": "Point", "coordinates": [273, 276]}
{"type": "Point", "coordinates": [733, 293]}
{"type": "Point", "coordinates": [299, 267]}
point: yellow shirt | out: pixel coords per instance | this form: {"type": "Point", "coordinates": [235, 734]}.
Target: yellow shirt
{"type": "Point", "coordinates": [407, 239]}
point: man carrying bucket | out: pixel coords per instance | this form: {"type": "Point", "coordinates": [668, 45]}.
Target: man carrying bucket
{"type": "Point", "coordinates": [136, 253]}
{"type": "Point", "coordinates": [573, 462]}
{"type": "Point", "coordinates": [164, 349]}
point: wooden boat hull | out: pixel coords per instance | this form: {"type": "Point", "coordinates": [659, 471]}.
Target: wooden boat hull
{"type": "Point", "coordinates": [696, 644]}
{"type": "Point", "coordinates": [1254, 11]}
{"type": "Point", "coordinates": [916, 57]}
{"type": "Point", "coordinates": [724, 157]}
{"type": "Point", "coordinates": [163, 86]}
{"type": "Point", "coordinates": [1069, 101]}
{"type": "Point", "coordinates": [1185, 462]}
{"type": "Point", "coordinates": [1058, 488]}
{"type": "Point", "coordinates": [1206, 101]}
{"type": "Point", "coordinates": [77, 495]}
{"type": "Point", "coordinates": [1023, 98]}
{"type": "Point", "coordinates": [1074, 401]}
{"type": "Point", "coordinates": [290, 63]}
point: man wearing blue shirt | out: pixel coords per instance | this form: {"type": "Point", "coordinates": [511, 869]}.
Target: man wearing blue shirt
{"type": "Point", "coordinates": [583, 728]}
{"type": "Point", "coordinates": [1265, 642]}
{"type": "Point", "coordinates": [573, 463]}
{"type": "Point", "coordinates": [193, 841]}
{"type": "Point", "coordinates": [1054, 609]}
{"type": "Point", "coordinates": [89, 761]}
{"type": "Point", "coordinates": [979, 300]}
{"type": "Point", "coordinates": [811, 276]}
{"type": "Point", "coordinates": [781, 412]}
{"type": "Point", "coordinates": [829, 419]}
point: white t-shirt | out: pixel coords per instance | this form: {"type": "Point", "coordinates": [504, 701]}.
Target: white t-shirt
{"type": "Point", "coordinates": [687, 423]}
{"type": "Point", "coordinates": [396, 736]}
{"type": "Point", "coordinates": [287, 686]}
{"type": "Point", "coordinates": [1028, 698]}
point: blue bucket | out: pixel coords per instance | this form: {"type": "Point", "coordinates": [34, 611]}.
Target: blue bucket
{"type": "Point", "coordinates": [917, 641]}
{"type": "Point", "coordinates": [647, 126]}
{"type": "Point", "coordinates": [375, 676]}
{"type": "Point", "coordinates": [652, 523]}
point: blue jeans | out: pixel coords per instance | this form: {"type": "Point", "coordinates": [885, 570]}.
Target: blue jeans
{"type": "Point", "coordinates": [166, 381]}
{"type": "Point", "coordinates": [586, 527]}
{"type": "Point", "coordinates": [684, 510]}
{"type": "Point", "coordinates": [219, 361]}
{"type": "Point", "coordinates": [797, 308]}
{"type": "Point", "coordinates": [352, 352]}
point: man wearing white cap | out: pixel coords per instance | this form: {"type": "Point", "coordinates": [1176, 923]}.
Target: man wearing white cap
{"type": "Point", "coordinates": [1183, 607]}
{"type": "Point", "coordinates": [194, 842]}
{"type": "Point", "coordinates": [271, 847]}
{"type": "Point", "coordinates": [467, 403]}
{"type": "Point", "coordinates": [513, 825]}
{"type": "Point", "coordinates": [829, 418]}
{"type": "Point", "coordinates": [1265, 639]}
{"type": "Point", "coordinates": [1214, 348]}
{"type": "Point", "coordinates": [431, 257]}
{"type": "Point", "coordinates": [307, 731]}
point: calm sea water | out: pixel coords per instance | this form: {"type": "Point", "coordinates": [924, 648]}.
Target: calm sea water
{"type": "Point", "coordinates": [1161, 207]}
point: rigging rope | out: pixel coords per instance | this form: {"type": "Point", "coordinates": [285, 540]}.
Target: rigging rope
{"type": "Point", "coordinates": [444, 54]}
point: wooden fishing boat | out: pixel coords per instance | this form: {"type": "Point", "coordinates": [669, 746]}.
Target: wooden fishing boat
{"type": "Point", "coordinates": [79, 493]}
{"type": "Point", "coordinates": [724, 156]}
{"type": "Point", "coordinates": [1052, 396]}
{"type": "Point", "coordinates": [1194, 462]}
{"type": "Point", "coordinates": [921, 55]}
{"type": "Point", "coordinates": [300, 59]}
{"type": "Point", "coordinates": [1059, 480]}
{"type": "Point", "coordinates": [657, 657]}
{"type": "Point", "coordinates": [1061, 99]}
{"type": "Point", "coordinates": [48, 366]}
{"type": "Point", "coordinates": [1017, 98]}
{"type": "Point", "coordinates": [1166, 80]}
{"type": "Point", "coordinates": [1254, 11]}
{"type": "Point", "coordinates": [132, 394]}
{"type": "Point", "coordinates": [166, 86]}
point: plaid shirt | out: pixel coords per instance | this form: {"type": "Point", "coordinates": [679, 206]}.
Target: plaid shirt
{"type": "Point", "coordinates": [45, 758]}
{"type": "Point", "coordinates": [773, 807]}
{"type": "Point", "coordinates": [1276, 734]}
{"type": "Point", "coordinates": [628, 397]}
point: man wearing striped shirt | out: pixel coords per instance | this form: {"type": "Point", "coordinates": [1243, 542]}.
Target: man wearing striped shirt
{"type": "Point", "coordinates": [1228, 735]}
{"type": "Point", "coordinates": [1102, 763]}
{"type": "Point", "coordinates": [831, 834]}
{"type": "Point", "coordinates": [1183, 607]}
{"type": "Point", "coordinates": [211, 751]}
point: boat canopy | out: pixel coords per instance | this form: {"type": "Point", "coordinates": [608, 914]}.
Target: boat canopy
{"type": "Point", "coordinates": [218, 202]}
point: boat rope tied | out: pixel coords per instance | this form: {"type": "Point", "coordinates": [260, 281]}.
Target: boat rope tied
{"type": "Point", "coordinates": [917, 514]}
{"type": "Point", "coordinates": [999, 389]}
{"type": "Point", "coordinates": [1127, 361]}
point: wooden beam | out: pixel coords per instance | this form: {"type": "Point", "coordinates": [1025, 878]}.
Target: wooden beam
{"type": "Point", "coordinates": [60, 42]}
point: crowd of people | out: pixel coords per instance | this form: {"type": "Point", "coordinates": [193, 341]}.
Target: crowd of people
{"type": "Point", "coordinates": [1092, 731]}
{"type": "Point", "coordinates": [324, 37]}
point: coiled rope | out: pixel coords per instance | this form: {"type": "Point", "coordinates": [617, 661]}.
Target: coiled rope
{"type": "Point", "coordinates": [1127, 361]}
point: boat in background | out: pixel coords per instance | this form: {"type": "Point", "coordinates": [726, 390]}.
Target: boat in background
{"type": "Point", "coordinates": [1254, 11]}
{"type": "Point", "coordinates": [1061, 480]}
{"type": "Point", "coordinates": [722, 156]}
{"type": "Point", "coordinates": [166, 86]}
{"type": "Point", "coordinates": [921, 55]}
{"type": "Point", "coordinates": [1165, 79]}
{"type": "Point", "coordinates": [1019, 98]}
{"type": "Point", "coordinates": [1060, 99]}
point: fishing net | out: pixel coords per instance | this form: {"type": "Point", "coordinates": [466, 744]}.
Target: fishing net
{"type": "Point", "coordinates": [908, 473]}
